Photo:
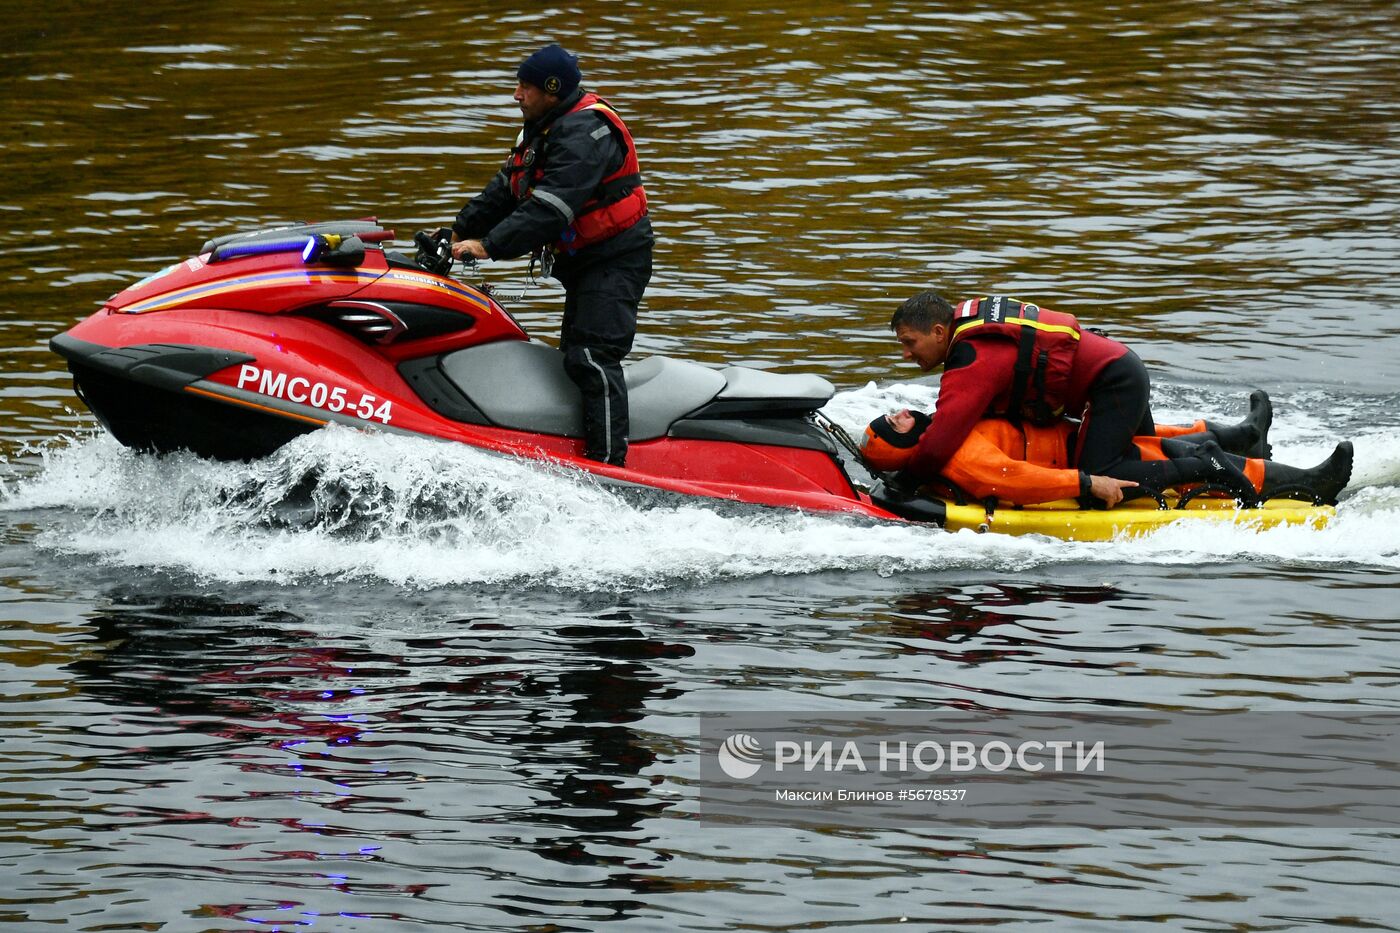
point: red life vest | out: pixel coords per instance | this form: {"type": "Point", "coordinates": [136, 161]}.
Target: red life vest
{"type": "Point", "coordinates": [1047, 342]}
{"type": "Point", "coordinates": [620, 200]}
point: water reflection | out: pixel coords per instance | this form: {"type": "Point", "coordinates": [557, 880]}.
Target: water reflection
{"type": "Point", "coordinates": [954, 615]}
{"type": "Point", "coordinates": [1147, 167]}
{"type": "Point", "coordinates": [528, 733]}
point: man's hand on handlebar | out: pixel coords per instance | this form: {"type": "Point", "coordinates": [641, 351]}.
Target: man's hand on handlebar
{"type": "Point", "coordinates": [462, 249]}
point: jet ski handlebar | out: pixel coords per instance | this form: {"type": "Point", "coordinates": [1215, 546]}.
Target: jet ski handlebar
{"type": "Point", "coordinates": [434, 250]}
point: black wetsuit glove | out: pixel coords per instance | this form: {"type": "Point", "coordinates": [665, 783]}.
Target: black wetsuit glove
{"type": "Point", "coordinates": [902, 485]}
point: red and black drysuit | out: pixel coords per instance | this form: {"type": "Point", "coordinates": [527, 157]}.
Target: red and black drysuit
{"type": "Point", "coordinates": [571, 185]}
{"type": "Point", "coordinates": [1019, 361]}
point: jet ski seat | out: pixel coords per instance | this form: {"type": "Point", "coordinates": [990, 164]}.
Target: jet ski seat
{"type": "Point", "coordinates": [523, 386]}
{"type": "Point", "coordinates": [756, 393]}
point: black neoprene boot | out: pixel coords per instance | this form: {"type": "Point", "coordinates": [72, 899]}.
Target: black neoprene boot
{"type": "Point", "coordinates": [1190, 462]}
{"type": "Point", "coordinates": [1249, 438]}
{"type": "Point", "coordinates": [1222, 470]}
{"type": "Point", "coordinates": [1324, 481]}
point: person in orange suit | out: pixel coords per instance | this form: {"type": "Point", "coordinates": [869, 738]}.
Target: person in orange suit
{"type": "Point", "coordinates": [1025, 464]}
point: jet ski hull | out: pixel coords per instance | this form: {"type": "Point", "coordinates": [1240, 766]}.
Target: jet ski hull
{"type": "Point", "coordinates": [156, 388]}
{"type": "Point", "coordinates": [158, 420]}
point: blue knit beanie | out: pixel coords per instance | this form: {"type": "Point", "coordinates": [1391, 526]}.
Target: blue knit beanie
{"type": "Point", "coordinates": [552, 70]}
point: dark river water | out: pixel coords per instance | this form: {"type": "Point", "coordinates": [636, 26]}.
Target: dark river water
{"type": "Point", "coordinates": [462, 694]}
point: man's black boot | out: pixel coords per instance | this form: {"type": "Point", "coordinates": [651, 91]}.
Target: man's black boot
{"type": "Point", "coordinates": [1224, 472]}
{"type": "Point", "coordinates": [1250, 437]}
{"type": "Point", "coordinates": [1323, 482]}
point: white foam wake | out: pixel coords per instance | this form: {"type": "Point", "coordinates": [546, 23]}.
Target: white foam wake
{"type": "Point", "coordinates": [341, 505]}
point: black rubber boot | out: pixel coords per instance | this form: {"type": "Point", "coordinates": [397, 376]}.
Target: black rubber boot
{"type": "Point", "coordinates": [1189, 463]}
{"type": "Point", "coordinates": [1323, 482]}
{"type": "Point", "coordinates": [1222, 470]}
{"type": "Point", "coordinates": [1249, 438]}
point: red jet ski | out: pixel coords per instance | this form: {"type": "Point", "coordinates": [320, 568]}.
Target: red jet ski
{"type": "Point", "coordinates": [269, 335]}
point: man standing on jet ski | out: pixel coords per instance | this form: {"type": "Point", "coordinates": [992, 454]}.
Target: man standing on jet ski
{"type": "Point", "coordinates": [571, 192]}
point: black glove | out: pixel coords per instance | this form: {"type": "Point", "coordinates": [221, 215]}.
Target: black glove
{"type": "Point", "coordinates": [898, 493]}
{"type": "Point", "coordinates": [902, 485]}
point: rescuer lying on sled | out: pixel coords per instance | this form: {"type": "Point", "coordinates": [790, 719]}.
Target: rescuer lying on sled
{"type": "Point", "coordinates": [1025, 464]}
